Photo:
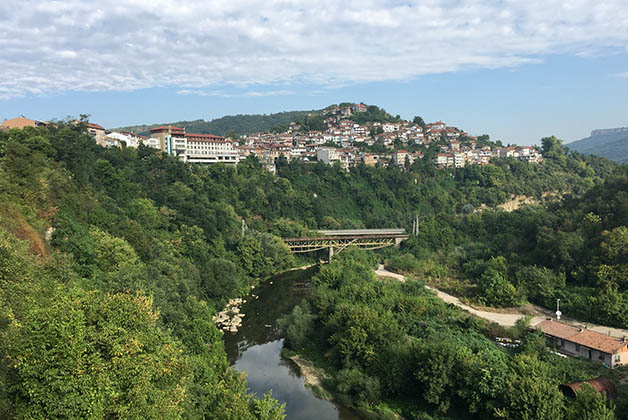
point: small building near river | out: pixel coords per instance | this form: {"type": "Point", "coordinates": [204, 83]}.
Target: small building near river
{"type": "Point", "coordinates": [584, 343]}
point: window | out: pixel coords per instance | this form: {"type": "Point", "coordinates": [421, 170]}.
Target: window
{"type": "Point", "coordinates": [602, 355]}
{"type": "Point", "coordinates": [561, 343]}
{"type": "Point", "coordinates": [577, 347]}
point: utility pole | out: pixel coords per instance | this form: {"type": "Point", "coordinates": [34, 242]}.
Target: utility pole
{"type": "Point", "coordinates": [558, 312]}
{"type": "Point", "coordinates": [415, 226]}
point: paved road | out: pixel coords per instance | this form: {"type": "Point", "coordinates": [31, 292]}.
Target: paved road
{"type": "Point", "coordinates": [506, 320]}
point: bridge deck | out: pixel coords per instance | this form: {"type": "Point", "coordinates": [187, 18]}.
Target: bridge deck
{"type": "Point", "coordinates": [356, 232]}
{"type": "Point", "coordinates": [345, 237]}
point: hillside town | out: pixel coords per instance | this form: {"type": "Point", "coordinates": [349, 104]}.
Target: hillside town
{"type": "Point", "coordinates": [343, 141]}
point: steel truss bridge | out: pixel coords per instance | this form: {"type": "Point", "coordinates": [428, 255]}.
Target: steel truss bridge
{"type": "Point", "coordinates": [337, 240]}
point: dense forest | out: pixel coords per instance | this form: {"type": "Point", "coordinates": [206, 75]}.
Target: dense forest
{"type": "Point", "coordinates": [113, 261]}
{"type": "Point", "coordinates": [573, 249]}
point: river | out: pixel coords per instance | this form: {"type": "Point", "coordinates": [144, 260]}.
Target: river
{"type": "Point", "coordinates": [255, 349]}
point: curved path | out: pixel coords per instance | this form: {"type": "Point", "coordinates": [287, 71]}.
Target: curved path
{"type": "Point", "coordinates": [506, 320]}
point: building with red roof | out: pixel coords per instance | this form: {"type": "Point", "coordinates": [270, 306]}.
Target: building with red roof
{"type": "Point", "coordinates": [584, 343]}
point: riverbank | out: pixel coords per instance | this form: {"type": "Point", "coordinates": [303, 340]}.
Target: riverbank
{"type": "Point", "coordinates": [313, 377]}
{"type": "Point", "coordinates": [314, 380]}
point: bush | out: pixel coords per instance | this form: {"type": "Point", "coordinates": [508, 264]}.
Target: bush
{"type": "Point", "coordinates": [297, 326]}
{"type": "Point", "coordinates": [405, 263]}
{"type": "Point", "coordinates": [358, 385]}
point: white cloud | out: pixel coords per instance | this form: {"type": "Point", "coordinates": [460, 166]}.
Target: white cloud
{"type": "Point", "coordinates": [622, 75]}
{"type": "Point", "coordinates": [57, 46]}
{"type": "Point", "coordinates": [197, 92]}
{"type": "Point", "coordinates": [194, 92]}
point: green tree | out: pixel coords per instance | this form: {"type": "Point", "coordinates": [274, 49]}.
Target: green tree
{"type": "Point", "coordinates": [251, 256]}
{"type": "Point", "coordinates": [298, 326]}
{"type": "Point", "coordinates": [110, 253]}
{"type": "Point", "coordinates": [539, 283]}
{"type": "Point", "coordinates": [530, 395]}
{"type": "Point", "coordinates": [85, 355]}
{"type": "Point", "coordinates": [493, 284]}
{"type": "Point", "coordinates": [359, 386]}
{"type": "Point", "coordinates": [418, 120]}
{"type": "Point", "coordinates": [552, 147]}
{"type": "Point", "coordinates": [590, 405]}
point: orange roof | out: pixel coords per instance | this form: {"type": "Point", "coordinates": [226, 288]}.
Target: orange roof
{"type": "Point", "coordinates": [94, 126]}
{"type": "Point", "coordinates": [582, 336]}
{"type": "Point", "coordinates": [19, 122]}
{"type": "Point", "coordinates": [173, 129]}
{"type": "Point", "coordinates": [195, 136]}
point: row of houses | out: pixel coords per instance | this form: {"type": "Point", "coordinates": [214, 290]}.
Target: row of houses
{"type": "Point", "coordinates": [457, 155]}
{"type": "Point", "coordinates": [340, 142]}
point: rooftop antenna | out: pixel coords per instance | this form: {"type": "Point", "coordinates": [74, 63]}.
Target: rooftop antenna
{"type": "Point", "coordinates": [558, 312]}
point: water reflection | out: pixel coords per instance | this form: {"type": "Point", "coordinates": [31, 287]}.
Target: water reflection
{"type": "Point", "coordinates": [266, 370]}
{"type": "Point", "coordinates": [255, 349]}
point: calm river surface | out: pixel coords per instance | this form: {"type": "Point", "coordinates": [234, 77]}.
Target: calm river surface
{"type": "Point", "coordinates": [255, 349]}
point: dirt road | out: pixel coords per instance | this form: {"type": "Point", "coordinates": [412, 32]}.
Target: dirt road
{"type": "Point", "coordinates": [506, 320]}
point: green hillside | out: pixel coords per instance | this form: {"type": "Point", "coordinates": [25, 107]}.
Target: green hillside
{"type": "Point", "coordinates": [611, 144]}
{"type": "Point", "coordinates": [240, 124]}
{"type": "Point", "coordinates": [253, 123]}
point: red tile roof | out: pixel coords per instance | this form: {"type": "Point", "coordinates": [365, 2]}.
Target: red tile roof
{"type": "Point", "coordinates": [19, 122]}
{"type": "Point", "coordinates": [94, 126]}
{"type": "Point", "coordinates": [197, 137]}
{"type": "Point", "coordinates": [582, 336]}
{"type": "Point", "coordinates": [174, 130]}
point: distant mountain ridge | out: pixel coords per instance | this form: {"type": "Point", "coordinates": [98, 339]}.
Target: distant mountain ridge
{"type": "Point", "coordinates": [240, 124]}
{"type": "Point", "coordinates": [607, 131]}
{"type": "Point", "coordinates": [611, 143]}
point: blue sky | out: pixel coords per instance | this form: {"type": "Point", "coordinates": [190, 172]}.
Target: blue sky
{"type": "Point", "coordinates": [515, 70]}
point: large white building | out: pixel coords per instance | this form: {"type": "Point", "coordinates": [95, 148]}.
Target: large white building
{"type": "Point", "coordinates": [191, 147]}
{"type": "Point", "coordinates": [207, 148]}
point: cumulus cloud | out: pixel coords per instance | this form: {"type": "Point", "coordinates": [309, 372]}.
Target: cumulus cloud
{"type": "Point", "coordinates": [69, 45]}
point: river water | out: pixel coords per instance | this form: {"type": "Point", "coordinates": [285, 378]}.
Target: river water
{"type": "Point", "coordinates": [255, 349]}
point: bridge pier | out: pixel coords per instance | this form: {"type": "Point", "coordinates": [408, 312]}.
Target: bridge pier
{"type": "Point", "coordinates": [398, 241]}
{"type": "Point", "coordinates": [331, 253]}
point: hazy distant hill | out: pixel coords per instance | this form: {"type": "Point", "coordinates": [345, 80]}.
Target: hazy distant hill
{"type": "Point", "coordinates": [241, 124]}
{"type": "Point", "coordinates": [610, 143]}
